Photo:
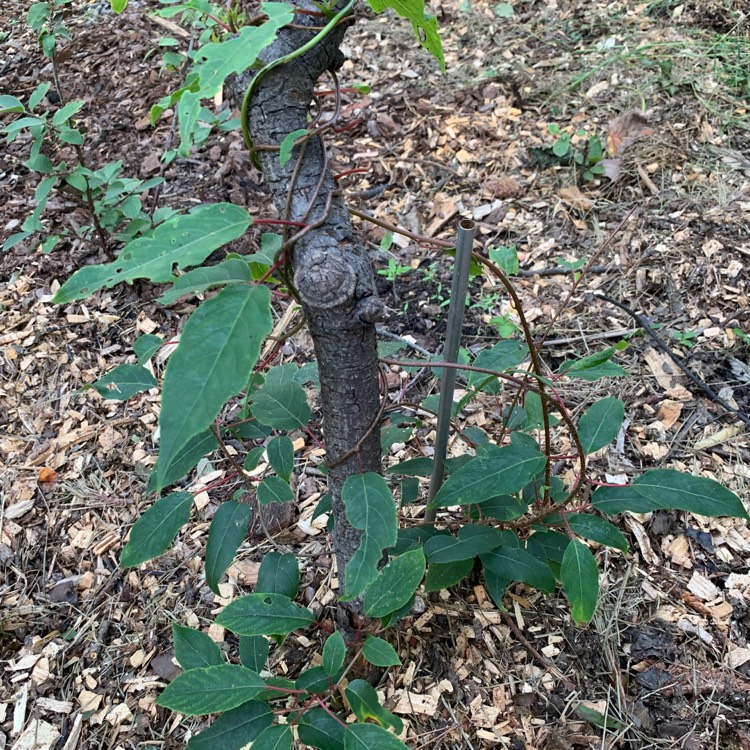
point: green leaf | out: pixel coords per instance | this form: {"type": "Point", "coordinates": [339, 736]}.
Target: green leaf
{"type": "Point", "coordinates": [146, 346]}
{"type": "Point", "coordinates": [699, 495]}
{"type": "Point", "coordinates": [505, 355]}
{"type": "Point", "coordinates": [318, 728]}
{"type": "Point", "coordinates": [198, 280]}
{"type": "Point", "coordinates": [504, 507]}
{"type": "Point", "coordinates": [182, 241]}
{"type": "Point", "coordinates": [425, 27]}
{"type": "Point", "coordinates": [283, 407]}
{"type": "Point", "coordinates": [275, 737]}
{"type": "Point", "coordinates": [227, 532]}
{"type": "Point", "coordinates": [38, 94]}
{"type": "Point", "coordinates": [597, 530]}
{"type": "Point", "coordinates": [10, 104]}
{"type": "Point", "coordinates": [155, 530]}
{"type": "Point", "coordinates": [472, 540]}
{"type": "Point", "coordinates": [278, 574]}
{"type": "Point", "coordinates": [211, 690]}
{"type": "Point", "coordinates": [580, 580]}
{"type": "Point", "coordinates": [497, 585]}
{"type": "Point", "coordinates": [187, 457]}
{"type": "Point", "coordinates": [516, 564]}
{"type": "Point", "coordinates": [280, 453]}
{"type": "Point", "coordinates": [444, 575]}
{"type": "Point", "coordinates": [364, 702]}
{"type": "Point", "coordinates": [614, 500]}
{"type": "Point", "coordinates": [596, 718]}
{"type": "Point", "coordinates": [252, 459]}
{"type": "Point", "coordinates": [371, 737]}
{"type": "Point", "coordinates": [503, 10]}
{"type": "Point", "coordinates": [194, 648]}
{"type": "Point", "coordinates": [594, 366]}
{"type": "Point", "coordinates": [379, 652]}
{"type": "Point", "coordinates": [395, 584]}
{"type": "Point", "coordinates": [371, 509]}
{"type": "Point", "coordinates": [218, 349]}
{"type": "Point", "coordinates": [494, 471]}
{"type": "Point", "coordinates": [505, 257]}
{"type": "Point", "coordinates": [600, 424]}
{"type": "Point", "coordinates": [274, 490]}
{"type": "Point", "coordinates": [234, 729]}
{"type": "Point", "coordinates": [118, 6]}
{"type": "Point", "coordinates": [264, 614]}
{"type": "Point", "coordinates": [65, 113]}
{"type": "Point", "coordinates": [124, 382]}
{"type": "Point", "coordinates": [254, 652]}
{"type": "Point", "coordinates": [317, 680]}
{"type": "Point", "coordinates": [287, 145]}
{"type": "Point", "coordinates": [217, 60]}
{"type": "Point", "coordinates": [334, 653]}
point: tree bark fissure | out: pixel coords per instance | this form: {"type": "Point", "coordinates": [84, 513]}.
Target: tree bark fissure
{"type": "Point", "coordinates": [331, 269]}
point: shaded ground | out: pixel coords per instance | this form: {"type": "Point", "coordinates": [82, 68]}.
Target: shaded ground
{"type": "Point", "coordinates": [86, 648]}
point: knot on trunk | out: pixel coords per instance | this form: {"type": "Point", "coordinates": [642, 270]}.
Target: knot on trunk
{"type": "Point", "coordinates": [325, 278]}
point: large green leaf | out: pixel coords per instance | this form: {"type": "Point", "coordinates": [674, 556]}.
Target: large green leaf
{"type": "Point", "coordinates": [580, 580]}
{"type": "Point", "coordinates": [194, 648]}
{"type": "Point", "coordinates": [155, 530]}
{"type": "Point", "coordinates": [472, 540]}
{"type": "Point", "coordinates": [699, 495]}
{"type": "Point", "coordinates": [504, 355]}
{"type": "Point", "coordinates": [218, 349]}
{"type": "Point", "coordinates": [371, 737]}
{"type": "Point", "coordinates": [186, 458]}
{"type": "Point", "coordinates": [364, 702]}
{"type": "Point", "coordinates": [282, 406]}
{"type": "Point", "coordinates": [234, 729]}
{"type": "Point", "coordinates": [395, 584]}
{"type": "Point", "coordinates": [280, 451]}
{"type": "Point", "coordinates": [334, 653]}
{"type": "Point", "coordinates": [182, 241]}
{"type": "Point", "coordinates": [227, 532]}
{"type": "Point", "coordinates": [124, 382]}
{"type": "Point", "coordinates": [379, 652]}
{"type": "Point", "coordinates": [274, 490]}
{"type": "Point", "coordinates": [597, 530]}
{"type": "Point", "coordinates": [278, 574]}
{"type": "Point", "coordinates": [594, 366]}
{"type": "Point", "coordinates": [515, 564]}
{"type": "Point", "coordinates": [209, 690]}
{"type": "Point", "coordinates": [199, 280]}
{"type": "Point", "coordinates": [371, 509]}
{"type": "Point", "coordinates": [216, 60]}
{"type": "Point", "coordinates": [495, 471]}
{"type": "Point", "coordinates": [614, 500]}
{"type": "Point", "coordinates": [444, 575]}
{"type": "Point", "coordinates": [425, 26]}
{"type": "Point", "coordinates": [600, 424]}
{"type": "Point", "coordinates": [254, 652]}
{"type": "Point", "coordinates": [318, 728]}
{"type": "Point", "coordinates": [275, 737]}
{"type": "Point", "coordinates": [264, 614]}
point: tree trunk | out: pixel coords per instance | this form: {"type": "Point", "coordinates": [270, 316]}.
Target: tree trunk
{"type": "Point", "coordinates": [331, 269]}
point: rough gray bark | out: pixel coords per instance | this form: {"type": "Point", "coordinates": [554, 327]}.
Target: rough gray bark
{"type": "Point", "coordinates": [332, 272]}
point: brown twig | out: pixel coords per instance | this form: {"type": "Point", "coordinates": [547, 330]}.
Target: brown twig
{"type": "Point", "coordinates": [643, 323]}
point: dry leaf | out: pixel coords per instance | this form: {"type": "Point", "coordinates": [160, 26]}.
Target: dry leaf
{"type": "Point", "coordinates": [572, 195]}
{"type": "Point", "coordinates": [626, 129]}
